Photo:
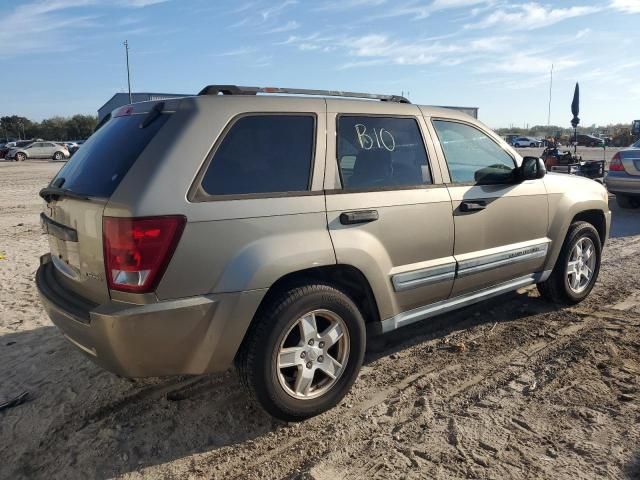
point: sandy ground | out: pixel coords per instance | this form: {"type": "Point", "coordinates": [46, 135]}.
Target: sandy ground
{"type": "Point", "coordinates": [537, 392]}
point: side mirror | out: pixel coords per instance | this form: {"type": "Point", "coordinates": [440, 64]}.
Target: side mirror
{"type": "Point", "coordinates": [532, 168]}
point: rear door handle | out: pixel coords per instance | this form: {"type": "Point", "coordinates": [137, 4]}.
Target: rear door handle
{"type": "Point", "coordinates": [359, 216]}
{"type": "Point", "coordinates": [473, 206]}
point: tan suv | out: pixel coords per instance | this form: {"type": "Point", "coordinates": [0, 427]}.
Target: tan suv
{"type": "Point", "coordinates": [273, 231]}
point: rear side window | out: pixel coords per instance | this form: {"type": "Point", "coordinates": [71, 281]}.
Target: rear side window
{"type": "Point", "coordinates": [381, 152]}
{"type": "Point", "coordinates": [263, 154]}
{"type": "Point", "coordinates": [97, 168]}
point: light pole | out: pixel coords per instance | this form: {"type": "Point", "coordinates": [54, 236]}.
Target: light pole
{"type": "Point", "coordinates": [126, 49]}
{"type": "Point", "coordinates": [550, 89]}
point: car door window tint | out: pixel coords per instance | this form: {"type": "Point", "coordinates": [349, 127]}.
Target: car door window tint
{"type": "Point", "coordinates": [263, 154]}
{"type": "Point", "coordinates": [381, 152]}
{"type": "Point", "coordinates": [472, 156]}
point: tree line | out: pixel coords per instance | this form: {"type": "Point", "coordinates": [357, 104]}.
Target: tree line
{"type": "Point", "coordinates": [77, 127]}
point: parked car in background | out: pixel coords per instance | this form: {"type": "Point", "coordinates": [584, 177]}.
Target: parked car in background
{"type": "Point", "coordinates": [589, 141]}
{"type": "Point", "coordinates": [527, 142]}
{"type": "Point", "coordinates": [74, 146]}
{"type": "Point", "coordinates": [4, 151]}
{"type": "Point", "coordinates": [623, 178]}
{"type": "Point", "coordinates": [52, 150]}
{"type": "Point", "coordinates": [331, 218]}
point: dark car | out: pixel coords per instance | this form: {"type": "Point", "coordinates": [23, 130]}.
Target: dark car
{"type": "Point", "coordinates": [589, 141]}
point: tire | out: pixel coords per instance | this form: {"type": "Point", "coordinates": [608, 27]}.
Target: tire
{"type": "Point", "coordinates": [626, 201]}
{"type": "Point", "coordinates": [279, 326]}
{"type": "Point", "coordinates": [58, 156]}
{"type": "Point", "coordinates": [20, 157]}
{"type": "Point", "coordinates": [532, 145]}
{"type": "Point", "coordinates": [557, 287]}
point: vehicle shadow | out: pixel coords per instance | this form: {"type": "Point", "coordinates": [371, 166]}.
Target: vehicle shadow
{"type": "Point", "coordinates": [624, 222]}
{"type": "Point", "coordinates": [632, 469]}
{"type": "Point", "coordinates": [506, 308]}
{"type": "Point", "coordinates": [80, 421]}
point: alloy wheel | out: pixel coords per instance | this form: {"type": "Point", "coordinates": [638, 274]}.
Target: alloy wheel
{"type": "Point", "coordinates": [313, 354]}
{"type": "Point", "coordinates": [581, 265]}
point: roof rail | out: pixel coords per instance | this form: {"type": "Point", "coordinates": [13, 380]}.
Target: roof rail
{"type": "Point", "coordinates": [236, 90]}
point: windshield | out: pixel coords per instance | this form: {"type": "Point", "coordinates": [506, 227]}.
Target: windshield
{"type": "Point", "coordinates": [636, 145]}
{"type": "Point", "coordinates": [99, 166]}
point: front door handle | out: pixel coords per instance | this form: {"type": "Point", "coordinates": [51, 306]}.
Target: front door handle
{"type": "Point", "coordinates": [473, 206]}
{"type": "Point", "coordinates": [359, 216]}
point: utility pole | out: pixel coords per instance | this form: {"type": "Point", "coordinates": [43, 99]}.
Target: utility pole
{"type": "Point", "coordinates": [550, 89]}
{"type": "Point", "coordinates": [126, 49]}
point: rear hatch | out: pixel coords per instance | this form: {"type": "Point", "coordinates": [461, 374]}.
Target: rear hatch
{"type": "Point", "coordinates": [78, 194]}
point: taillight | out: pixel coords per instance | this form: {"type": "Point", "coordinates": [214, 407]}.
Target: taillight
{"type": "Point", "coordinates": [616, 164]}
{"type": "Point", "coordinates": [137, 250]}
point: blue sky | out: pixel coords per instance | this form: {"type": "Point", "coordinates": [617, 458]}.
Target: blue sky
{"type": "Point", "coordinates": [61, 57]}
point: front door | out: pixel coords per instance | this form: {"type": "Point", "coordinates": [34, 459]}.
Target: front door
{"type": "Point", "coordinates": [34, 150]}
{"type": "Point", "coordinates": [389, 214]}
{"type": "Point", "coordinates": [501, 224]}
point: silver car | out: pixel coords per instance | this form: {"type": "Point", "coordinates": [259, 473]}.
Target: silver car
{"type": "Point", "coordinates": [623, 177]}
{"type": "Point", "coordinates": [52, 150]}
{"type": "Point", "coordinates": [272, 232]}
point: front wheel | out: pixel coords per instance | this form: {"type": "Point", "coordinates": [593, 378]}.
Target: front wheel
{"type": "Point", "coordinates": [303, 352]}
{"type": "Point", "coordinates": [576, 270]}
{"type": "Point", "coordinates": [20, 157]}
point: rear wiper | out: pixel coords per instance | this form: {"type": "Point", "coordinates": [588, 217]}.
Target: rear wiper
{"type": "Point", "coordinates": [53, 193]}
{"type": "Point", "coordinates": [153, 114]}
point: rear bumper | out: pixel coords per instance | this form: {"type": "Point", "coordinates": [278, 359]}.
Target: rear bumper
{"type": "Point", "coordinates": [185, 336]}
{"type": "Point", "coordinates": [621, 182]}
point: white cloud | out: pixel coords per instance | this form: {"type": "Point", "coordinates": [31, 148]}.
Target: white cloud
{"type": "Point", "coordinates": [529, 63]}
{"type": "Point", "coordinates": [626, 6]}
{"type": "Point", "coordinates": [43, 25]}
{"type": "Point", "coordinates": [380, 49]}
{"type": "Point", "coordinates": [276, 9]}
{"type": "Point", "coordinates": [416, 9]}
{"type": "Point", "coordinates": [286, 27]}
{"type": "Point", "coordinates": [530, 16]}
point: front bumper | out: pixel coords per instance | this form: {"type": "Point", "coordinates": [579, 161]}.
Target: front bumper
{"type": "Point", "coordinates": [192, 335]}
{"type": "Point", "coordinates": [621, 182]}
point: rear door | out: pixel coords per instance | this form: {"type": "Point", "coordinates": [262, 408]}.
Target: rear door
{"type": "Point", "coordinates": [389, 214]}
{"type": "Point", "coordinates": [500, 224]}
{"type": "Point", "coordinates": [73, 222]}
{"type": "Point", "coordinates": [48, 149]}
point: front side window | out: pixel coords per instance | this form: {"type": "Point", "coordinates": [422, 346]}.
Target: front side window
{"type": "Point", "coordinates": [263, 154]}
{"type": "Point", "coordinates": [381, 152]}
{"type": "Point", "coordinates": [472, 156]}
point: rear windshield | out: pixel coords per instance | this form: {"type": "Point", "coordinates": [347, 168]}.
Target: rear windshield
{"type": "Point", "coordinates": [98, 167]}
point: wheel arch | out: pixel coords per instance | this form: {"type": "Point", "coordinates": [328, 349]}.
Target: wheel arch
{"type": "Point", "coordinates": [595, 218]}
{"type": "Point", "coordinates": [346, 278]}
{"type": "Point", "coordinates": [588, 212]}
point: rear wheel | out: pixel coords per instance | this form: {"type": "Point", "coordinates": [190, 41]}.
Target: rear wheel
{"type": "Point", "coordinates": [627, 201]}
{"type": "Point", "coordinates": [576, 270]}
{"type": "Point", "coordinates": [58, 156]}
{"type": "Point", "coordinates": [303, 352]}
